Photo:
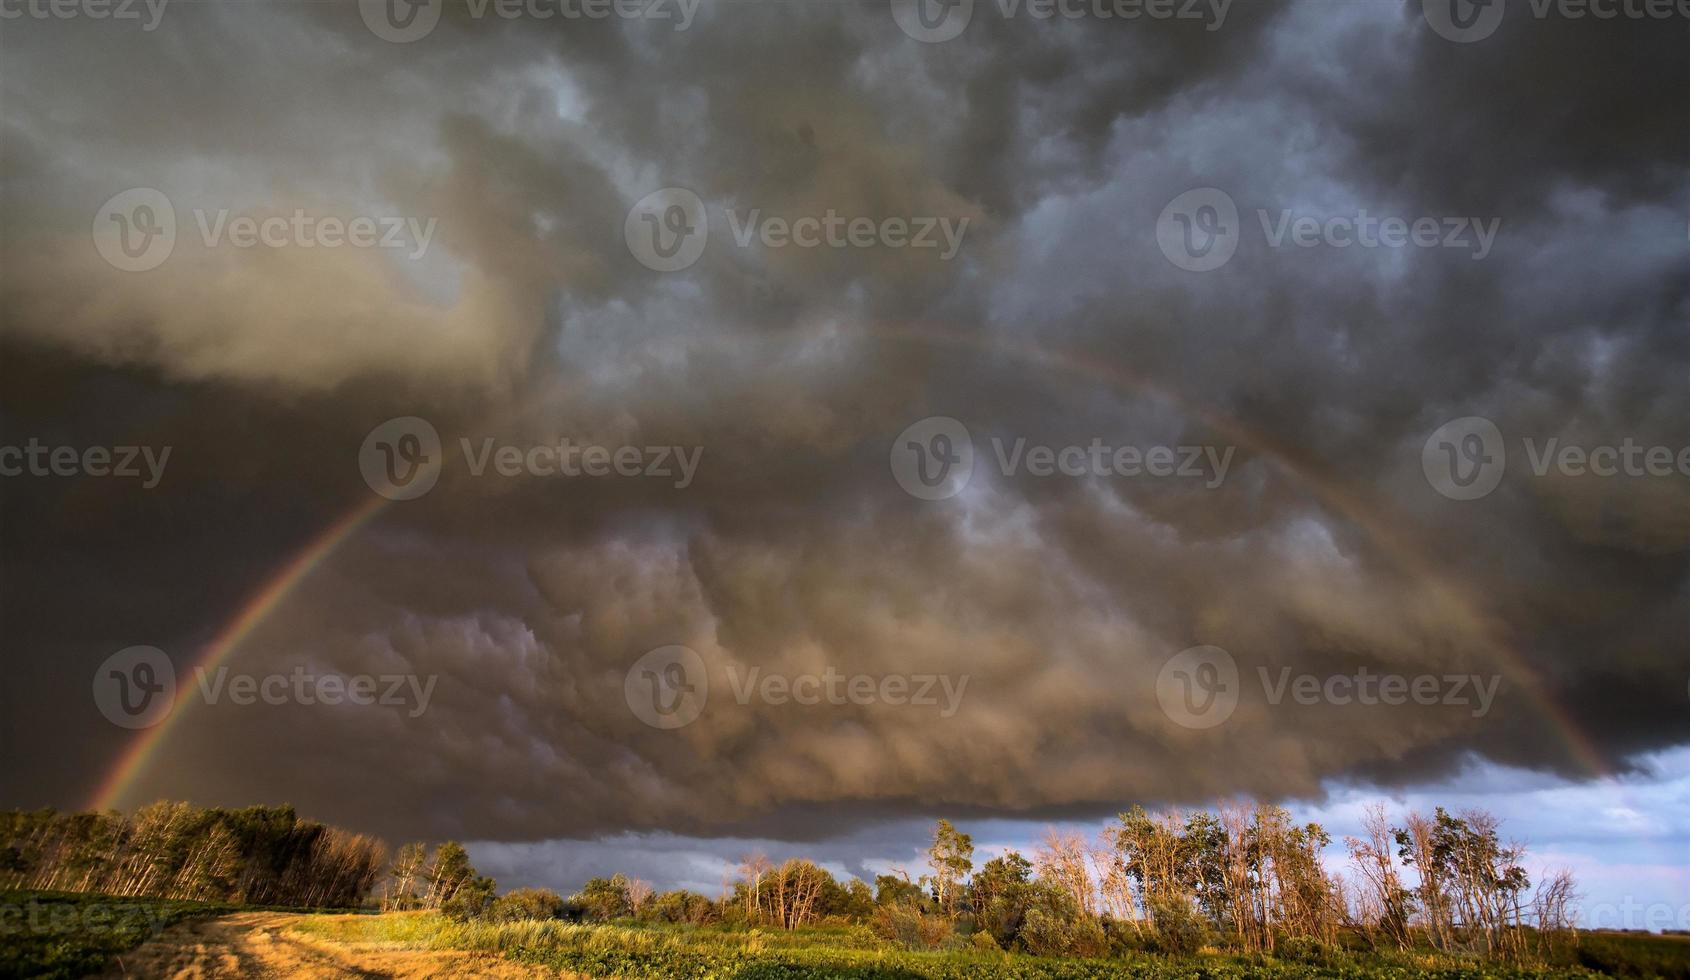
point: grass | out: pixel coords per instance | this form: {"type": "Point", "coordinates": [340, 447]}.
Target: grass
{"type": "Point", "coordinates": [58, 935]}
{"type": "Point", "coordinates": [71, 934]}
{"type": "Point", "coordinates": [668, 953]}
{"type": "Point", "coordinates": [61, 934]}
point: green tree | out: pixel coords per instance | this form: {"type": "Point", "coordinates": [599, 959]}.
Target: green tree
{"type": "Point", "coordinates": [952, 859]}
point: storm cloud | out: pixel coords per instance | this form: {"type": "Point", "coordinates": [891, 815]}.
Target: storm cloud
{"type": "Point", "coordinates": [1320, 369]}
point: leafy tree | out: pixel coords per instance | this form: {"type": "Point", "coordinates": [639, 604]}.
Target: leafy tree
{"type": "Point", "coordinates": [952, 859]}
{"type": "Point", "coordinates": [604, 899]}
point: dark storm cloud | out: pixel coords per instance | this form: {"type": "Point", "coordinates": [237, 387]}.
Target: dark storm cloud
{"type": "Point", "coordinates": [794, 550]}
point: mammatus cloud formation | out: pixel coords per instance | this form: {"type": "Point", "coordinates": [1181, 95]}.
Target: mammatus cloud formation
{"type": "Point", "coordinates": [1319, 372]}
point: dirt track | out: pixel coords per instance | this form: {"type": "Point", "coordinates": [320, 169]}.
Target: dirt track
{"type": "Point", "coordinates": [260, 944]}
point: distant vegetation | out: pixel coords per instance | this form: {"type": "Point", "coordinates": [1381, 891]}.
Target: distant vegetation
{"type": "Point", "coordinates": [259, 855]}
{"type": "Point", "coordinates": [1240, 891]}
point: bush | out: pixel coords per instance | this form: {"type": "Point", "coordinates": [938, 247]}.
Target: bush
{"type": "Point", "coordinates": [984, 942]}
{"type": "Point", "coordinates": [1179, 929]}
{"type": "Point", "coordinates": [527, 903]}
{"type": "Point", "coordinates": [472, 900]}
{"type": "Point", "coordinates": [1047, 932]}
{"type": "Point", "coordinates": [1305, 949]}
{"type": "Point", "coordinates": [908, 926]}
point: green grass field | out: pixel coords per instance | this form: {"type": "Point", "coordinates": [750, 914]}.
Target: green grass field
{"type": "Point", "coordinates": [69, 935]}
{"type": "Point", "coordinates": [60, 934]}
{"type": "Point", "coordinates": [855, 953]}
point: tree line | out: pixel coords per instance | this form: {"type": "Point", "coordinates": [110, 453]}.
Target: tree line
{"type": "Point", "coordinates": [1244, 877]}
{"type": "Point", "coordinates": [260, 855]}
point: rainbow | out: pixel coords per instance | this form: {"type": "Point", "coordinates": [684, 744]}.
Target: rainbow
{"type": "Point", "coordinates": [133, 762]}
{"type": "Point", "coordinates": [1400, 546]}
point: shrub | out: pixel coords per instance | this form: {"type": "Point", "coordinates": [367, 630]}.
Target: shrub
{"type": "Point", "coordinates": [527, 903]}
{"type": "Point", "coordinates": [908, 926]}
{"type": "Point", "coordinates": [1047, 932]}
{"type": "Point", "coordinates": [1179, 929]}
{"type": "Point", "coordinates": [984, 942]}
{"type": "Point", "coordinates": [472, 900]}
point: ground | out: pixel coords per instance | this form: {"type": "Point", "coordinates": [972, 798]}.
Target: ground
{"type": "Point", "coordinates": [265, 944]}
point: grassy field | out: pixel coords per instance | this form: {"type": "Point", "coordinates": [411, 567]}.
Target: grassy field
{"type": "Point", "coordinates": [814, 954]}
{"type": "Point", "coordinates": [69, 935]}
{"type": "Point", "coordinates": [60, 934]}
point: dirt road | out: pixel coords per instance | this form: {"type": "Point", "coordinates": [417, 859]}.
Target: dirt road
{"type": "Point", "coordinates": [261, 944]}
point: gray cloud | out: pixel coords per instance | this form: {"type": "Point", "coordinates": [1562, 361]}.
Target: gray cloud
{"type": "Point", "coordinates": [1059, 321]}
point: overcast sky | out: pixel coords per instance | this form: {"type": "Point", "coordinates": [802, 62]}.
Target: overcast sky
{"type": "Point", "coordinates": [1145, 405]}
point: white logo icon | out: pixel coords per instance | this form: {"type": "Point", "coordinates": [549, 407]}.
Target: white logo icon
{"type": "Point", "coordinates": [667, 687]}
{"type": "Point", "coordinates": [135, 687]}
{"type": "Point", "coordinates": [1198, 231]}
{"type": "Point", "coordinates": [934, 458]}
{"type": "Point", "coordinates": [1463, 21]}
{"type": "Point", "coordinates": [400, 458]}
{"type": "Point", "coordinates": [400, 21]}
{"type": "Point", "coordinates": [136, 230]}
{"type": "Point", "coordinates": [1198, 687]}
{"type": "Point", "coordinates": [1465, 459]}
{"type": "Point", "coordinates": [667, 229]}
{"type": "Point", "coordinates": [932, 21]}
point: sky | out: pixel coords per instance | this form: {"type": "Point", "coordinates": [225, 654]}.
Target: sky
{"type": "Point", "coordinates": [616, 435]}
